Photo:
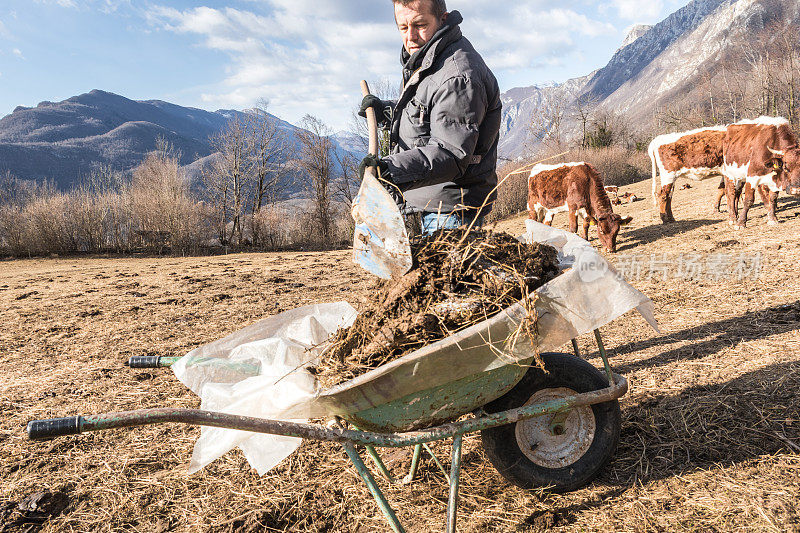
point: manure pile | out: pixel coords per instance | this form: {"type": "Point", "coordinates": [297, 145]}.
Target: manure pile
{"type": "Point", "coordinates": [459, 278]}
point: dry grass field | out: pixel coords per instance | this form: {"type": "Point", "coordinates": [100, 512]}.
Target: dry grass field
{"type": "Point", "coordinates": [711, 426]}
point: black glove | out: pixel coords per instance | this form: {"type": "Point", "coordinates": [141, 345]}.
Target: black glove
{"type": "Point", "coordinates": [377, 162]}
{"type": "Point", "coordinates": [385, 178]}
{"type": "Point", "coordinates": [383, 110]}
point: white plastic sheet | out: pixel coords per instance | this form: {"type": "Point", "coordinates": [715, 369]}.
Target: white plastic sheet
{"type": "Point", "coordinates": [260, 372]}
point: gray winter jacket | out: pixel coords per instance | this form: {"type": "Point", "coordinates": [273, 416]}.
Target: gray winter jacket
{"type": "Point", "coordinates": [445, 126]}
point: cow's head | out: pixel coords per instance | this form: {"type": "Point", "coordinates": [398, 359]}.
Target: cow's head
{"type": "Point", "coordinates": [608, 225]}
{"type": "Point", "coordinates": [786, 164]}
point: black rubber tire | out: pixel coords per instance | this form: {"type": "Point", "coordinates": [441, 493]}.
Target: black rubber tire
{"type": "Point", "coordinates": [500, 443]}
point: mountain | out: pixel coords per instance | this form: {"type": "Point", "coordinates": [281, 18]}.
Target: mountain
{"type": "Point", "coordinates": [632, 59]}
{"type": "Point", "coordinates": [521, 106]}
{"type": "Point", "coordinates": [655, 66]}
{"type": "Point", "coordinates": [64, 141]}
{"type": "Point", "coordinates": [678, 70]}
{"type": "Point", "coordinates": [634, 32]}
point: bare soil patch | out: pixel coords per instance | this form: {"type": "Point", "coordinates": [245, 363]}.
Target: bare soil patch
{"type": "Point", "coordinates": [711, 426]}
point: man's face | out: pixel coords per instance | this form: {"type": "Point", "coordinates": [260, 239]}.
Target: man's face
{"type": "Point", "coordinates": [417, 24]}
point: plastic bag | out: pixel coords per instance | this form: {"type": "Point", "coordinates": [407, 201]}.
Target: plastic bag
{"type": "Point", "coordinates": [259, 371]}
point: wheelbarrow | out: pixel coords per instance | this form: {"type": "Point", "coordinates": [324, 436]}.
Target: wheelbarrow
{"type": "Point", "coordinates": [554, 429]}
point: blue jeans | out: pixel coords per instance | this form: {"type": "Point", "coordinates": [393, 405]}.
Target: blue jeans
{"type": "Point", "coordinates": [432, 222]}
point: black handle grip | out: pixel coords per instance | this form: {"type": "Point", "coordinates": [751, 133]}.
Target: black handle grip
{"type": "Point", "coordinates": [145, 361]}
{"type": "Point", "coordinates": [55, 427]}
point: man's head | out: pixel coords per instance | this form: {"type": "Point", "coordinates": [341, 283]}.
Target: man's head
{"type": "Point", "coordinates": [418, 21]}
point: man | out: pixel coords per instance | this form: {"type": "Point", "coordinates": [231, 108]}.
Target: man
{"type": "Point", "coordinates": [444, 128]}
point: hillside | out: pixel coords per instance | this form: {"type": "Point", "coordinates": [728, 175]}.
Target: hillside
{"type": "Point", "coordinates": [632, 59]}
{"type": "Point", "coordinates": [656, 66]}
{"type": "Point", "coordinates": [64, 141]}
{"type": "Point", "coordinates": [680, 68]}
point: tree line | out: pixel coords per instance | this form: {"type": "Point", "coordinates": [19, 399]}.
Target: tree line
{"type": "Point", "coordinates": [242, 199]}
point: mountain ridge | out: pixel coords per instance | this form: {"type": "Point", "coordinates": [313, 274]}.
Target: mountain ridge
{"type": "Point", "coordinates": [65, 141]}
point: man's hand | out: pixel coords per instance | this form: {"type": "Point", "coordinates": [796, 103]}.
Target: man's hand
{"type": "Point", "coordinates": [383, 110]}
{"type": "Point", "coordinates": [378, 163]}
{"type": "Point", "coordinates": [385, 178]}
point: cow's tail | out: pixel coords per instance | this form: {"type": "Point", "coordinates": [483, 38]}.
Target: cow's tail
{"type": "Point", "coordinates": [652, 151]}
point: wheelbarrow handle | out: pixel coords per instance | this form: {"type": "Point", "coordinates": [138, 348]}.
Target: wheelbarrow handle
{"type": "Point", "coordinates": [145, 361]}
{"type": "Point", "coordinates": [151, 361]}
{"type": "Point", "coordinates": [54, 427]}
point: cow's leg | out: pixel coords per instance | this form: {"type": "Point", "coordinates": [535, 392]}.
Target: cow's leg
{"type": "Point", "coordinates": [770, 200]}
{"type": "Point", "coordinates": [720, 196]}
{"type": "Point", "coordinates": [587, 220]}
{"type": "Point", "coordinates": [670, 216]}
{"type": "Point", "coordinates": [665, 203]}
{"type": "Point", "coordinates": [733, 201]}
{"type": "Point", "coordinates": [573, 220]}
{"type": "Point", "coordinates": [747, 203]}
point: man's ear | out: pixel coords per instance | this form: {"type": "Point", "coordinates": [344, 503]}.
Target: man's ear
{"type": "Point", "coordinates": [444, 17]}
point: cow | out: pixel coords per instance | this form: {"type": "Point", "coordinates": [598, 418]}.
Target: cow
{"type": "Point", "coordinates": [578, 189]}
{"type": "Point", "coordinates": [763, 155]}
{"type": "Point", "coordinates": [695, 154]}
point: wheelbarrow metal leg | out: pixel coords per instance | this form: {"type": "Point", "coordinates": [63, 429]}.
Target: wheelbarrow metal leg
{"type": "Point", "coordinates": [436, 460]}
{"type": "Point", "coordinates": [455, 478]}
{"type": "Point", "coordinates": [575, 348]}
{"type": "Point", "coordinates": [414, 465]}
{"type": "Point", "coordinates": [376, 458]}
{"type": "Point", "coordinates": [369, 480]}
{"type": "Point", "coordinates": [602, 349]}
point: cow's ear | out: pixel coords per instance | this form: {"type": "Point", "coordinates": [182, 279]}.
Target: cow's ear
{"type": "Point", "coordinates": [775, 163]}
{"type": "Point", "coordinates": [624, 221]}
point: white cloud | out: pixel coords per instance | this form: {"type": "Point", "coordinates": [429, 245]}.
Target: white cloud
{"type": "Point", "coordinates": [637, 9]}
{"type": "Point", "coordinates": [3, 31]}
{"type": "Point", "coordinates": [17, 52]}
{"type": "Point", "coordinates": [308, 56]}
{"type": "Point", "coordinates": [62, 3]}
{"type": "Point", "coordinates": [304, 56]}
{"type": "Point", "coordinates": [104, 6]}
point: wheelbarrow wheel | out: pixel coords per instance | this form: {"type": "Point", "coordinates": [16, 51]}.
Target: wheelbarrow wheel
{"type": "Point", "coordinates": [558, 453]}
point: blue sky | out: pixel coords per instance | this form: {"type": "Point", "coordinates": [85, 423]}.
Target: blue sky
{"type": "Point", "coordinates": [303, 56]}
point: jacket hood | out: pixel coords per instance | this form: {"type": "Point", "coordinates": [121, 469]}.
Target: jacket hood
{"type": "Point", "coordinates": [449, 33]}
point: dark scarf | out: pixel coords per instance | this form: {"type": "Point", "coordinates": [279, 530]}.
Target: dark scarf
{"type": "Point", "coordinates": [448, 33]}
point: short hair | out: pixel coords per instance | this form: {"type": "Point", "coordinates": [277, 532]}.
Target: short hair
{"type": "Point", "coordinates": [438, 7]}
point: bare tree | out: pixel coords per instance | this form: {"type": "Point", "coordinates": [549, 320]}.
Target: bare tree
{"type": "Point", "coordinates": [230, 176]}
{"type": "Point", "coordinates": [163, 209]}
{"type": "Point", "coordinates": [583, 108]}
{"type": "Point", "coordinates": [269, 151]}
{"type": "Point", "coordinates": [317, 163]}
{"type": "Point", "coordinates": [549, 120]}
{"type": "Point", "coordinates": [347, 180]}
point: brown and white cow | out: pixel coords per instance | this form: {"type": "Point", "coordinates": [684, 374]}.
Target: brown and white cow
{"type": "Point", "coordinates": [763, 155]}
{"type": "Point", "coordinates": [578, 189]}
{"type": "Point", "coordinates": [695, 154]}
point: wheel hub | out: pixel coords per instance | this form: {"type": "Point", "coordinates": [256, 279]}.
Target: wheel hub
{"type": "Point", "coordinates": [559, 444]}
